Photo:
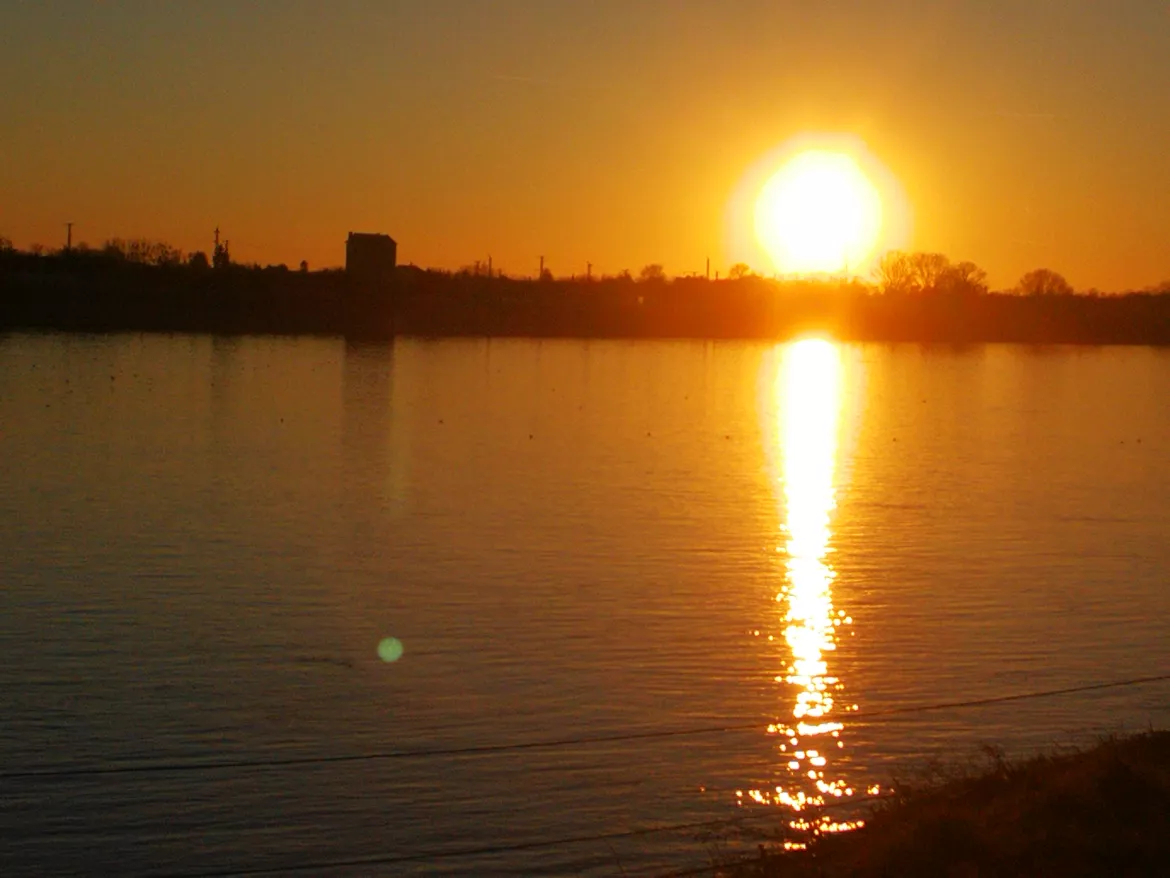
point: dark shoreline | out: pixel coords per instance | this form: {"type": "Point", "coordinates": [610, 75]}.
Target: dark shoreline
{"type": "Point", "coordinates": [1102, 811]}
{"type": "Point", "coordinates": [93, 295]}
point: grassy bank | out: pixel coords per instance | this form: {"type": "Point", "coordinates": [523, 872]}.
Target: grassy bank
{"type": "Point", "coordinates": [1100, 811]}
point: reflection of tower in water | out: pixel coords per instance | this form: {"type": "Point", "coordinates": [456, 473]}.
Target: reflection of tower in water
{"type": "Point", "coordinates": [808, 390]}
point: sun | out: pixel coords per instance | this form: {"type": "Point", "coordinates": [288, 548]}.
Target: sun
{"type": "Point", "coordinates": [818, 214]}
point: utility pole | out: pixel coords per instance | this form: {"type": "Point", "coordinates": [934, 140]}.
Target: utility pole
{"type": "Point", "coordinates": [708, 268]}
{"type": "Point", "coordinates": [68, 237]}
{"type": "Point", "coordinates": [489, 265]}
{"type": "Point", "coordinates": [541, 275]}
{"type": "Point", "coordinates": [588, 271]}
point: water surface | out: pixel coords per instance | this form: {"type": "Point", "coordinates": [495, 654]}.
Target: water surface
{"type": "Point", "coordinates": [206, 539]}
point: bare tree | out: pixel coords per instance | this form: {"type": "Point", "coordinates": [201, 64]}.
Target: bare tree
{"type": "Point", "coordinates": [929, 270]}
{"type": "Point", "coordinates": [143, 251]}
{"type": "Point", "coordinates": [1043, 282]}
{"type": "Point", "coordinates": [895, 273]}
{"type": "Point", "coordinates": [652, 272]}
{"type": "Point", "coordinates": [964, 278]}
{"type": "Point", "coordinates": [739, 271]}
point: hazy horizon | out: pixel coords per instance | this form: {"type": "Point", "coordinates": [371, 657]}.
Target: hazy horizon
{"type": "Point", "coordinates": [615, 134]}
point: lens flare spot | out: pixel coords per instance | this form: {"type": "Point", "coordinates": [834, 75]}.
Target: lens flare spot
{"type": "Point", "coordinates": [390, 649]}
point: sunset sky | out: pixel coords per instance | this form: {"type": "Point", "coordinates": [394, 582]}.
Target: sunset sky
{"type": "Point", "coordinates": [1023, 134]}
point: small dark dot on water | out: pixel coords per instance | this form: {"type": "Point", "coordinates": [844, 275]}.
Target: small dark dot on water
{"type": "Point", "coordinates": [529, 435]}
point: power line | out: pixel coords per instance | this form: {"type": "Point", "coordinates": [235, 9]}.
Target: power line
{"type": "Point", "coordinates": [488, 850]}
{"type": "Point", "coordinates": [1001, 699]}
{"type": "Point", "coordinates": [477, 750]}
{"type": "Point", "coordinates": [488, 749]}
{"type": "Point", "coordinates": [458, 853]}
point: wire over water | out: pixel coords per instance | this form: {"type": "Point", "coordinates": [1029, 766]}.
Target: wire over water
{"type": "Point", "coordinates": [390, 860]}
{"type": "Point", "coordinates": [487, 749]}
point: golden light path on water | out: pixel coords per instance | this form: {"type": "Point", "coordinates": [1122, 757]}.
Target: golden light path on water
{"type": "Point", "coordinates": [808, 397]}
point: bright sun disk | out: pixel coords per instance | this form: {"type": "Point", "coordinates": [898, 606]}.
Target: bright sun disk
{"type": "Point", "coordinates": [818, 214]}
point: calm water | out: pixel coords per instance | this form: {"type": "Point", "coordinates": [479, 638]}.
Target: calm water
{"type": "Point", "coordinates": [205, 539]}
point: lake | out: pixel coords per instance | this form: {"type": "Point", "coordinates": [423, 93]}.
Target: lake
{"type": "Point", "coordinates": [211, 547]}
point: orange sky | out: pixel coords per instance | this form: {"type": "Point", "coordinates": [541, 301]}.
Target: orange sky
{"type": "Point", "coordinates": [1023, 134]}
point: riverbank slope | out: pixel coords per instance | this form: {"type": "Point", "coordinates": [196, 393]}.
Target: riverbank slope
{"type": "Point", "coordinates": [1097, 812]}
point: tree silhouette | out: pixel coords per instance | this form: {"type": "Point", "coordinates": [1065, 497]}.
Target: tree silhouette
{"type": "Point", "coordinates": [1043, 282]}
{"type": "Point", "coordinates": [222, 257]}
{"type": "Point", "coordinates": [652, 273]}
{"type": "Point", "coordinates": [965, 278]}
{"type": "Point", "coordinates": [928, 270]}
{"type": "Point", "coordinates": [199, 261]}
{"type": "Point", "coordinates": [142, 251]}
{"type": "Point", "coordinates": [895, 273]}
{"type": "Point", "coordinates": [739, 271]}
{"type": "Point", "coordinates": [5, 244]}
{"type": "Point", "coordinates": [899, 272]}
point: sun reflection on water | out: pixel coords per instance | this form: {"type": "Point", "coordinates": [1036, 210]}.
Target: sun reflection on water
{"type": "Point", "coordinates": [808, 399]}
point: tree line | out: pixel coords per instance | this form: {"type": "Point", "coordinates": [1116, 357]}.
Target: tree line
{"type": "Point", "coordinates": [897, 273]}
{"type": "Point", "coordinates": [144, 251]}
{"type": "Point", "coordinates": [933, 273]}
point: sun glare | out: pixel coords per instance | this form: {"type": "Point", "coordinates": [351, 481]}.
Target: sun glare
{"type": "Point", "coordinates": [819, 214]}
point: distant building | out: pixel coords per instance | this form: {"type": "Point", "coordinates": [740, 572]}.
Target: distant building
{"type": "Point", "coordinates": [370, 260]}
